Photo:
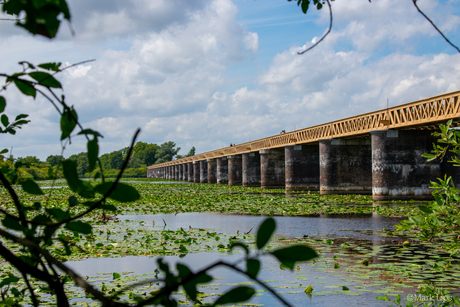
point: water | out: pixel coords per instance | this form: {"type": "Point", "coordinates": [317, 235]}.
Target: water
{"type": "Point", "coordinates": [345, 225]}
{"type": "Point", "coordinates": [322, 278]}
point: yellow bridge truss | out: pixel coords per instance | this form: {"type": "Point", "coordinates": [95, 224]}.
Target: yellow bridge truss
{"type": "Point", "coordinates": [421, 114]}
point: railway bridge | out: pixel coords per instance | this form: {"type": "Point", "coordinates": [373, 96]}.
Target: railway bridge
{"type": "Point", "coordinates": [376, 153]}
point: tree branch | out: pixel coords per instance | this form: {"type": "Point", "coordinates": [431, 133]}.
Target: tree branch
{"type": "Point", "coordinates": [326, 34]}
{"type": "Point", "coordinates": [15, 197]}
{"type": "Point", "coordinates": [437, 29]}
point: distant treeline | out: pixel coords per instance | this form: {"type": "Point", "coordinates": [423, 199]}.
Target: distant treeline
{"type": "Point", "coordinates": [143, 155]}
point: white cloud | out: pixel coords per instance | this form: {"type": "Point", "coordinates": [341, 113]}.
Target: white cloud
{"type": "Point", "coordinates": [162, 66]}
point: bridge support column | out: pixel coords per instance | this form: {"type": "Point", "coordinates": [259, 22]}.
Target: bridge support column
{"type": "Point", "coordinates": [185, 172]}
{"type": "Point", "coordinates": [222, 170]}
{"type": "Point", "coordinates": [345, 166]}
{"type": "Point", "coordinates": [302, 167]}
{"type": "Point", "coordinates": [190, 172]}
{"type": "Point", "coordinates": [235, 170]}
{"type": "Point", "coordinates": [251, 169]}
{"type": "Point", "coordinates": [179, 172]}
{"type": "Point", "coordinates": [196, 171]}
{"type": "Point", "coordinates": [203, 171]}
{"type": "Point", "coordinates": [176, 172]}
{"type": "Point", "coordinates": [398, 169]}
{"type": "Point", "coordinates": [168, 172]}
{"type": "Point", "coordinates": [272, 169]}
{"type": "Point", "coordinates": [212, 170]}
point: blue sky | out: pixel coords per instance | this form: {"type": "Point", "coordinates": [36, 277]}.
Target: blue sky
{"type": "Point", "coordinates": [207, 73]}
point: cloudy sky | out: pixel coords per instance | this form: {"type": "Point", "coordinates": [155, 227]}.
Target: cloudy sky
{"type": "Point", "coordinates": [207, 73]}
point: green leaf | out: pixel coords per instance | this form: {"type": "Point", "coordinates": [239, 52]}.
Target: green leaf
{"type": "Point", "coordinates": [345, 288]}
{"type": "Point", "coordinates": [265, 232]}
{"type": "Point", "coordinates": [2, 104]}
{"type": "Point", "coordinates": [50, 66]}
{"type": "Point", "coordinates": [90, 132]}
{"type": "Point", "coordinates": [305, 4]}
{"type": "Point", "coordinates": [29, 65]}
{"type": "Point", "coordinates": [9, 280]}
{"type": "Point", "coordinates": [79, 226]}
{"type": "Point", "coordinates": [93, 153]}
{"type": "Point", "coordinates": [236, 295]}
{"type": "Point", "coordinates": [252, 267]}
{"type": "Point", "coordinates": [122, 193]}
{"type": "Point", "coordinates": [26, 87]}
{"type": "Point", "coordinates": [4, 120]}
{"type": "Point", "coordinates": [31, 187]}
{"type": "Point", "coordinates": [45, 79]}
{"type": "Point", "coordinates": [308, 290]}
{"type": "Point", "coordinates": [116, 275]}
{"type": "Point", "coordinates": [69, 168]}
{"type": "Point", "coordinates": [425, 209]}
{"type": "Point", "coordinates": [58, 214]}
{"type": "Point", "coordinates": [3, 151]}
{"type": "Point", "coordinates": [12, 223]}
{"type": "Point", "coordinates": [292, 254]}
{"type": "Point", "coordinates": [69, 120]}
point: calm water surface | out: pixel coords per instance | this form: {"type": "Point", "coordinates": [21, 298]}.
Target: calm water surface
{"type": "Point", "coordinates": [352, 226]}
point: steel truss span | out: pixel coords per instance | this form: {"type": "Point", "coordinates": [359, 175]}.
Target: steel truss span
{"type": "Point", "coordinates": [420, 114]}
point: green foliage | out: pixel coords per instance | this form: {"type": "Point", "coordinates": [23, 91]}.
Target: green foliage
{"type": "Point", "coordinates": [41, 17]}
{"type": "Point", "coordinates": [305, 4]}
{"type": "Point", "coordinates": [442, 216]}
{"type": "Point", "coordinates": [166, 152]}
{"type": "Point", "coordinates": [35, 228]}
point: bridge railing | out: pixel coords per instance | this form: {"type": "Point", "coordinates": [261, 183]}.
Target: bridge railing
{"type": "Point", "coordinates": [425, 112]}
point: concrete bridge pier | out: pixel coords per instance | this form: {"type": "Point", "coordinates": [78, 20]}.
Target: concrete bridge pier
{"type": "Point", "coordinates": [168, 172]}
{"type": "Point", "coordinates": [176, 172]}
{"type": "Point", "coordinates": [302, 167]}
{"type": "Point", "coordinates": [251, 169]}
{"type": "Point", "coordinates": [203, 171]}
{"type": "Point", "coordinates": [272, 168]}
{"type": "Point", "coordinates": [222, 170]}
{"type": "Point", "coordinates": [235, 170]}
{"type": "Point", "coordinates": [398, 169]}
{"type": "Point", "coordinates": [190, 172]}
{"type": "Point", "coordinates": [345, 166]}
{"type": "Point", "coordinates": [196, 171]}
{"type": "Point", "coordinates": [179, 172]}
{"type": "Point", "coordinates": [212, 170]}
{"type": "Point", "coordinates": [185, 172]}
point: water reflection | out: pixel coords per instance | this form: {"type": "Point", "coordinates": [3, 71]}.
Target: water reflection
{"type": "Point", "coordinates": [343, 225]}
{"type": "Point", "coordinates": [290, 284]}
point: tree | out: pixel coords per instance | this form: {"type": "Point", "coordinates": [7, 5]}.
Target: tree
{"type": "Point", "coordinates": [54, 160]}
{"type": "Point", "coordinates": [29, 160]}
{"type": "Point", "coordinates": [146, 152]}
{"type": "Point", "coordinates": [191, 152]}
{"type": "Point", "coordinates": [166, 152]}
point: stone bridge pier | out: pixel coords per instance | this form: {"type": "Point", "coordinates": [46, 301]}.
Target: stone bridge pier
{"type": "Point", "coordinates": [222, 170]}
{"type": "Point", "coordinates": [398, 169]}
{"type": "Point", "coordinates": [251, 169]}
{"type": "Point", "coordinates": [345, 166]}
{"type": "Point", "coordinates": [235, 170]}
{"type": "Point", "coordinates": [212, 170]}
{"type": "Point", "coordinates": [272, 168]}
{"type": "Point", "coordinates": [302, 167]}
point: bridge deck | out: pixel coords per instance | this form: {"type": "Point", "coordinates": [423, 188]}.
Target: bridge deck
{"type": "Point", "coordinates": [416, 114]}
